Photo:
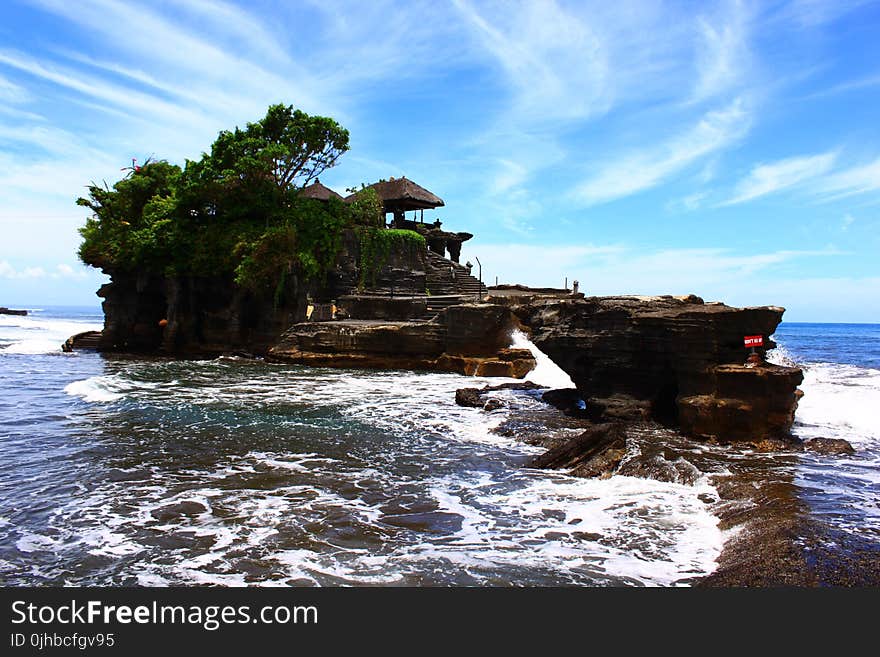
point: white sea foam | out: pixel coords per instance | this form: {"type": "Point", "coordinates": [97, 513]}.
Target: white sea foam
{"type": "Point", "coordinates": [34, 334]}
{"type": "Point", "coordinates": [546, 372]}
{"type": "Point", "coordinates": [439, 498]}
{"type": "Point", "coordinates": [97, 389]}
{"type": "Point", "coordinates": [841, 400]}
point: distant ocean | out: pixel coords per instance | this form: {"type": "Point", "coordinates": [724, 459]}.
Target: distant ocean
{"type": "Point", "coordinates": [124, 470]}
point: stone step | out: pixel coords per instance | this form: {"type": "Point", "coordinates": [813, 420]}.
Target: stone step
{"type": "Point", "coordinates": [87, 340]}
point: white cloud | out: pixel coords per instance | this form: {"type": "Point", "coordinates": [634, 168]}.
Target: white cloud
{"type": "Point", "coordinates": [11, 92]}
{"type": "Point", "coordinates": [688, 203]}
{"type": "Point", "coordinates": [617, 269]}
{"type": "Point", "coordinates": [636, 172]}
{"type": "Point", "coordinates": [61, 270]}
{"type": "Point", "coordinates": [8, 271]}
{"type": "Point", "coordinates": [855, 180]}
{"type": "Point", "coordinates": [723, 55]}
{"type": "Point", "coordinates": [780, 175]}
{"type": "Point", "coordinates": [848, 220]}
{"type": "Point", "coordinates": [555, 61]}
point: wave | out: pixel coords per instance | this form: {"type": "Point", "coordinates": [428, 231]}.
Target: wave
{"type": "Point", "coordinates": [546, 372]}
{"type": "Point", "coordinates": [33, 334]}
{"type": "Point", "coordinates": [96, 389]}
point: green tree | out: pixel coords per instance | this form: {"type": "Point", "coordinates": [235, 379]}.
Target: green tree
{"type": "Point", "coordinates": [233, 211]}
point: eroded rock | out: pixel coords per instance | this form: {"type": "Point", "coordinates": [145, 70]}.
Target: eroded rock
{"type": "Point", "coordinates": [597, 452]}
{"type": "Point", "coordinates": [830, 446]}
{"type": "Point", "coordinates": [673, 359]}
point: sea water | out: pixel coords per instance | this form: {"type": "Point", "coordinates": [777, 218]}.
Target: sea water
{"type": "Point", "coordinates": [121, 470]}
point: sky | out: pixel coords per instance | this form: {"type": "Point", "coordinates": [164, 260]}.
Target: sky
{"type": "Point", "coordinates": [725, 149]}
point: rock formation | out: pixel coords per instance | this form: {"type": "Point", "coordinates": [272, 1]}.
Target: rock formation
{"type": "Point", "coordinates": [597, 452]}
{"type": "Point", "coordinates": [674, 359]}
{"type": "Point", "coordinates": [209, 316]}
{"type": "Point", "coordinates": [468, 339]}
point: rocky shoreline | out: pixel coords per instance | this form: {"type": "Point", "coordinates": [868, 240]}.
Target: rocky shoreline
{"type": "Point", "coordinates": [662, 387]}
{"type": "Point", "coordinates": [771, 536]}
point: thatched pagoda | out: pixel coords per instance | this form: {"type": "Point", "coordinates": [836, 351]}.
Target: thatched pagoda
{"type": "Point", "coordinates": [318, 192]}
{"type": "Point", "coordinates": [401, 195]}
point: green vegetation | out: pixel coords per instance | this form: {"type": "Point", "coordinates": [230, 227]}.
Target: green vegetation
{"type": "Point", "coordinates": [375, 246]}
{"type": "Point", "coordinates": [235, 211]}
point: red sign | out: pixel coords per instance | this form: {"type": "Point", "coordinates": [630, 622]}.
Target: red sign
{"type": "Point", "coordinates": [754, 340]}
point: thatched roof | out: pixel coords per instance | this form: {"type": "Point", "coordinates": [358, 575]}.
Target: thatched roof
{"type": "Point", "coordinates": [404, 194]}
{"type": "Point", "coordinates": [318, 192]}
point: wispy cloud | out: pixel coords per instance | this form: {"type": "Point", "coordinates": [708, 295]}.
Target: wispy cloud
{"type": "Point", "coordinates": [11, 92]}
{"type": "Point", "coordinates": [557, 64]}
{"type": "Point", "coordinates": [8, 271]}
{"type": "Point", "coordinates": [777, 176]}
{"type": "Point", "coordinates": [853, 181]}
{"type": "Point", "coordinates": [636, 172]}
{"type": "Point", "coordinates": [620, 269]}
{"type": "Point", "coordinates": [850, 85]}
{"type": "Point", "coordinates": [723, 54]}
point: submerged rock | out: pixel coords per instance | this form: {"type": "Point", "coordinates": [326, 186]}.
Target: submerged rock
{"type": "Point", "coordinates": [470, 397]}
{"type": "Point", "coordinates": [676, 471]}
{"type": "Point", "coordinates": [473, 397]}
{"type": "Point", "coordinates": [174, 511]}
{"type": "Point", "coordinates": [830, 446]}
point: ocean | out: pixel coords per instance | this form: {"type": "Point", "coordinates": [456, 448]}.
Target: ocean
{"type": "Point", "coordinates": [131, 471]}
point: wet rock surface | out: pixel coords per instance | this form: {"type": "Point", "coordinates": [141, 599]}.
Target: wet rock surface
{"type": "Point", "coordinates": [595, 453]}
{"type": "Point", "coordinates": [830, 446]}
{"type": "Point", "coordinates": [774, 539]}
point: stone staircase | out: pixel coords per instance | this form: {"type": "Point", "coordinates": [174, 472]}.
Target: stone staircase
{"type": "Point", "coordinates": [446, 278]}
{"type": "Point", "coordinates": [87, 340]}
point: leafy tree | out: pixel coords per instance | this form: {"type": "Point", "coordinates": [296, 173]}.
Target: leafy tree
{"type": "Point", "coordinates": [235, 211]}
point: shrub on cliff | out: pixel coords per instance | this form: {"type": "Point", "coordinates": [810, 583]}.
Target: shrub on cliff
{"type": "Point", "coordinates": [233, 211]}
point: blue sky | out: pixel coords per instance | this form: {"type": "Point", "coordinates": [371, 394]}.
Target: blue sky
{"type": "Point", "coordinates": [729, 149]}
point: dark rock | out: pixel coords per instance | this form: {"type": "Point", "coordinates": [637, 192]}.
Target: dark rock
{"type": "Point", "coordinates": [564, 399]}
{"type": "Point", "coordinates": [473, 396]}
{"type": "Point", "coordinates": [9, 311]}
{"type": "Point", "coordinates": [519, 385]}
{"type": "Point", "coordinates": [211, 315]}
{"type": "Point", "coordinates": [174, 511]}
{"type": "Point", "coordinates": [493, 404]}
{"type": "Point", "coordinates": [618, 408]}
{"type": "Point", "coordinates": [675, 359]}
{"type": "Point", "coordinates": [745, 402]}
{"type": "Point", "coordinates": [773, 445]}
{"type": "Point", "coordinates": [830, 446]}
{"type": "Point", "coordinates": [468, 397]}
{"type": "Point", "coordinates": [677, 471]}
{"type": "Point", "coordinates": [384, 307]}
{"type": "Point", "coordinates": [595, 453]}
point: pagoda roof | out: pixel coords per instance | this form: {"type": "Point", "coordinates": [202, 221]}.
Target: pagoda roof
{"type": "Point", "coordinates": [404, 194]}
{"type": "Point", "coordinates": [318, 192]}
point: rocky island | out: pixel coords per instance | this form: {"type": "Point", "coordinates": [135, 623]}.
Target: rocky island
{"type": "Point", "coordinates": [237, 254]}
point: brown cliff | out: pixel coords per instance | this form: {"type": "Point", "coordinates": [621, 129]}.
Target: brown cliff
{"type": "Point", "coordinates": [675, 359]}
{"type": "Point", "coordinates": [468, 339]}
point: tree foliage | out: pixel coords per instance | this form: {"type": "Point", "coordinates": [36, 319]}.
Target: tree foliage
{"type": "Point", "coordinates": [234, 211]}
